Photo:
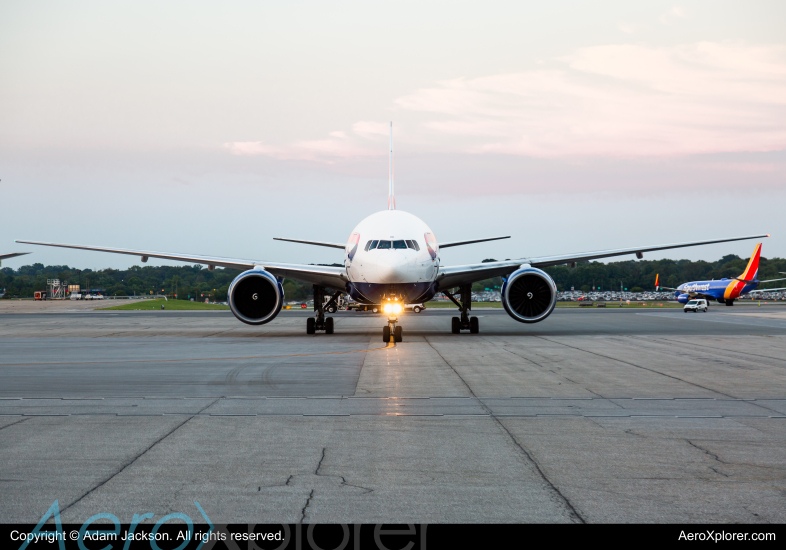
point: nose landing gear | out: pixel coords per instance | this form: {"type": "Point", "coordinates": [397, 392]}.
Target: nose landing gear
{"type": "Point", "coordinates": [465, 322]}
{"type": "Point", "coordinates": [392, 329]}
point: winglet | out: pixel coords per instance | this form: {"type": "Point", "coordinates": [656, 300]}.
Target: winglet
{"type": "Point", "coordinates": [656, 281]}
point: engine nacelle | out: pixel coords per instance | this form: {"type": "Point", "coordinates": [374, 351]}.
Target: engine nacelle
{"type": "Point", "coordinates": [255, 297]}
{"type": "Point", "coordinates": [529, 295]}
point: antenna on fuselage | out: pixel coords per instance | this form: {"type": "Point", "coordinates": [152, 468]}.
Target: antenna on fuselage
{"type": "Point", "coordinates": [391, 194]}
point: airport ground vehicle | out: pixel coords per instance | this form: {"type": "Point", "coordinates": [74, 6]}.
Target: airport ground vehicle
{"type": "Point", "coordinates": [392, 257]}
{"type": "Point", "coordinates": [340, 303]}
{"type": "Point", "coordinates": [696, 306]}
{"type": "Point", "coordinates": [356, 306]}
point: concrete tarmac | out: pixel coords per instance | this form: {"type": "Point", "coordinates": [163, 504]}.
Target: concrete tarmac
{"type": "Point", "coordinates": [617, 415]}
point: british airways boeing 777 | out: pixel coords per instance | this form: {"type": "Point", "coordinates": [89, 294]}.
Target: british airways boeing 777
{"type": "Point", "coordinates": [393, 258]}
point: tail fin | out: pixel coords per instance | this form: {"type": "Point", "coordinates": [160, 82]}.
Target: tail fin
{"type": "Point", "coordinates": [753, 265]}
{"type": "Point", "coordinates": [391, 194]}
{"type": "Point", "coordinates": [656, 281]}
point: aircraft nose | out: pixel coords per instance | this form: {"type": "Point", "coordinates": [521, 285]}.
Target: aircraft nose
{"type": "Point", "coordinates": [390, 269]}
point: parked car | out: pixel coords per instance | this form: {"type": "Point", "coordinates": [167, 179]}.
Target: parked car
{"type": "Point", "coordinates": [417, 308]}
{"type": "Point", "coordinates": [696, 306]}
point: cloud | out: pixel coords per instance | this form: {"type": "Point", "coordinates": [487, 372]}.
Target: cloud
{"type": "Point", "coordinates": [370, 130]}
{"type": "Point", "coordinates": [337, 146]}
{"type": "Point", "coordinates": [627, 28]}
{"type": "Point", "coordinates": [674, 13]}
{"type": "Point", "coordinates": [320, 150]}
{"type": "Point", "coordinates": [617, 100]}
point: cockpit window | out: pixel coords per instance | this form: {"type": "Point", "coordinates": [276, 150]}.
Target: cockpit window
{"type": "Point", "coordinates": [395, 245]}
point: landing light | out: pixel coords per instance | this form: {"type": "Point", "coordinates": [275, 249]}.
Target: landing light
{"type": "Point", "coordinates": [392, 308]}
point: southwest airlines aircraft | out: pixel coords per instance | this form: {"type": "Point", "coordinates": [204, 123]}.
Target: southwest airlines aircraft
{"type": "Point", "coordinates": [392, 258]}
{"type": "Point", "coordinates": [725, 291]}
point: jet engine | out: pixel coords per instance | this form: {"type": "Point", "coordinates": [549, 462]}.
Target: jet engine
{"type": "Point", "coordinates": [256, 297]}
{"type": "Point", "coordinates": [529, 295]}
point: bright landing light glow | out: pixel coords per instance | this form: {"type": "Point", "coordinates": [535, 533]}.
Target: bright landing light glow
{"type": "Point", "coordinates": [392, 308]}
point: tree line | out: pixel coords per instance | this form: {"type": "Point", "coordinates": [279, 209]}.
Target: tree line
{"type": "Point", "coordinates": [195, 281]}
{"type": "Point", "coordinates": [639, 275]}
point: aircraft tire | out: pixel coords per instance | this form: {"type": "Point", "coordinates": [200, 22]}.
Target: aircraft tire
{"type": "Point", "coordinates": [386, 334]}
{"type": "Point", "coordinates": [455, 325]}
{"type": "Point", "coordinates": [329, 325]}
{"type": "Point", "coordinates": [397, 335]}
{"type": "Point", "coordinates": [310, 324]}
{"type": "Point", "coordinates": [474, 325]}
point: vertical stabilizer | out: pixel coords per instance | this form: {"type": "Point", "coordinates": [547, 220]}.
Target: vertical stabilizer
{"type": "Point", "coordinates": [391, 193]}
{"type": "Point", "coordinates": [753, 265]}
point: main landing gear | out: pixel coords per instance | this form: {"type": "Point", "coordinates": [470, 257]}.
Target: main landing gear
{"type": "Point", "coordinates": [465, 322]}
{"type": "Point", "coordinates": [320, 322]}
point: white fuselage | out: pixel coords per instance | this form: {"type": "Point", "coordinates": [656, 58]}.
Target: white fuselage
{"type": "Point", "coordinates": [391, 248]}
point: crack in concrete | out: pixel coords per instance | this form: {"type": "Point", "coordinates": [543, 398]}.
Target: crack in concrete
{"type": "Point", "coordinates": [711, 455]}
{"type": "Point", "coordinates": [14, 423]}
{"type": "Point", "coordinates": [138, 456]}
{"type": "Point", "coordinates": [303, 511]}
{"type": "Point", "coordinates": [570, 508]}
{"type": "Point", "coordinates": [319, 464]}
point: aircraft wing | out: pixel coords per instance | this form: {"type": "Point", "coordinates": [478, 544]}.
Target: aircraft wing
{"type": "Point", "coordinates": [334, 277]}
{"type": "Point", "coordinates": [768, 290]}
{"type": "Point", "coordinates": [315, 243]}
{"type": "Point", "coordinates": [12, 255]}
{"type": "Point", "coordinates": [461, 243]}
{"type": "Point", "coordinates": [450, 277]}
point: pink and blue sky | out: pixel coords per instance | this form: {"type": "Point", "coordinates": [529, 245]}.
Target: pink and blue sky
{"type": "Point", "coordinates": [211, 128]}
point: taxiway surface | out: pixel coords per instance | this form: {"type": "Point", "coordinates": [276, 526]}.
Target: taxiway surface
{"type": "Point", "coordinates": [590, 416]}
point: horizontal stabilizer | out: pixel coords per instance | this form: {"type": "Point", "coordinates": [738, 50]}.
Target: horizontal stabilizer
{"type": "Point", "coordinates": [460, 243]}
{"type": "Point", "coordinates": [315, 243]}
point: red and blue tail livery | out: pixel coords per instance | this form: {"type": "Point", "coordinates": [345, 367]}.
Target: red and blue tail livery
{"type": "Point", "coordinates": [724, 291]}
